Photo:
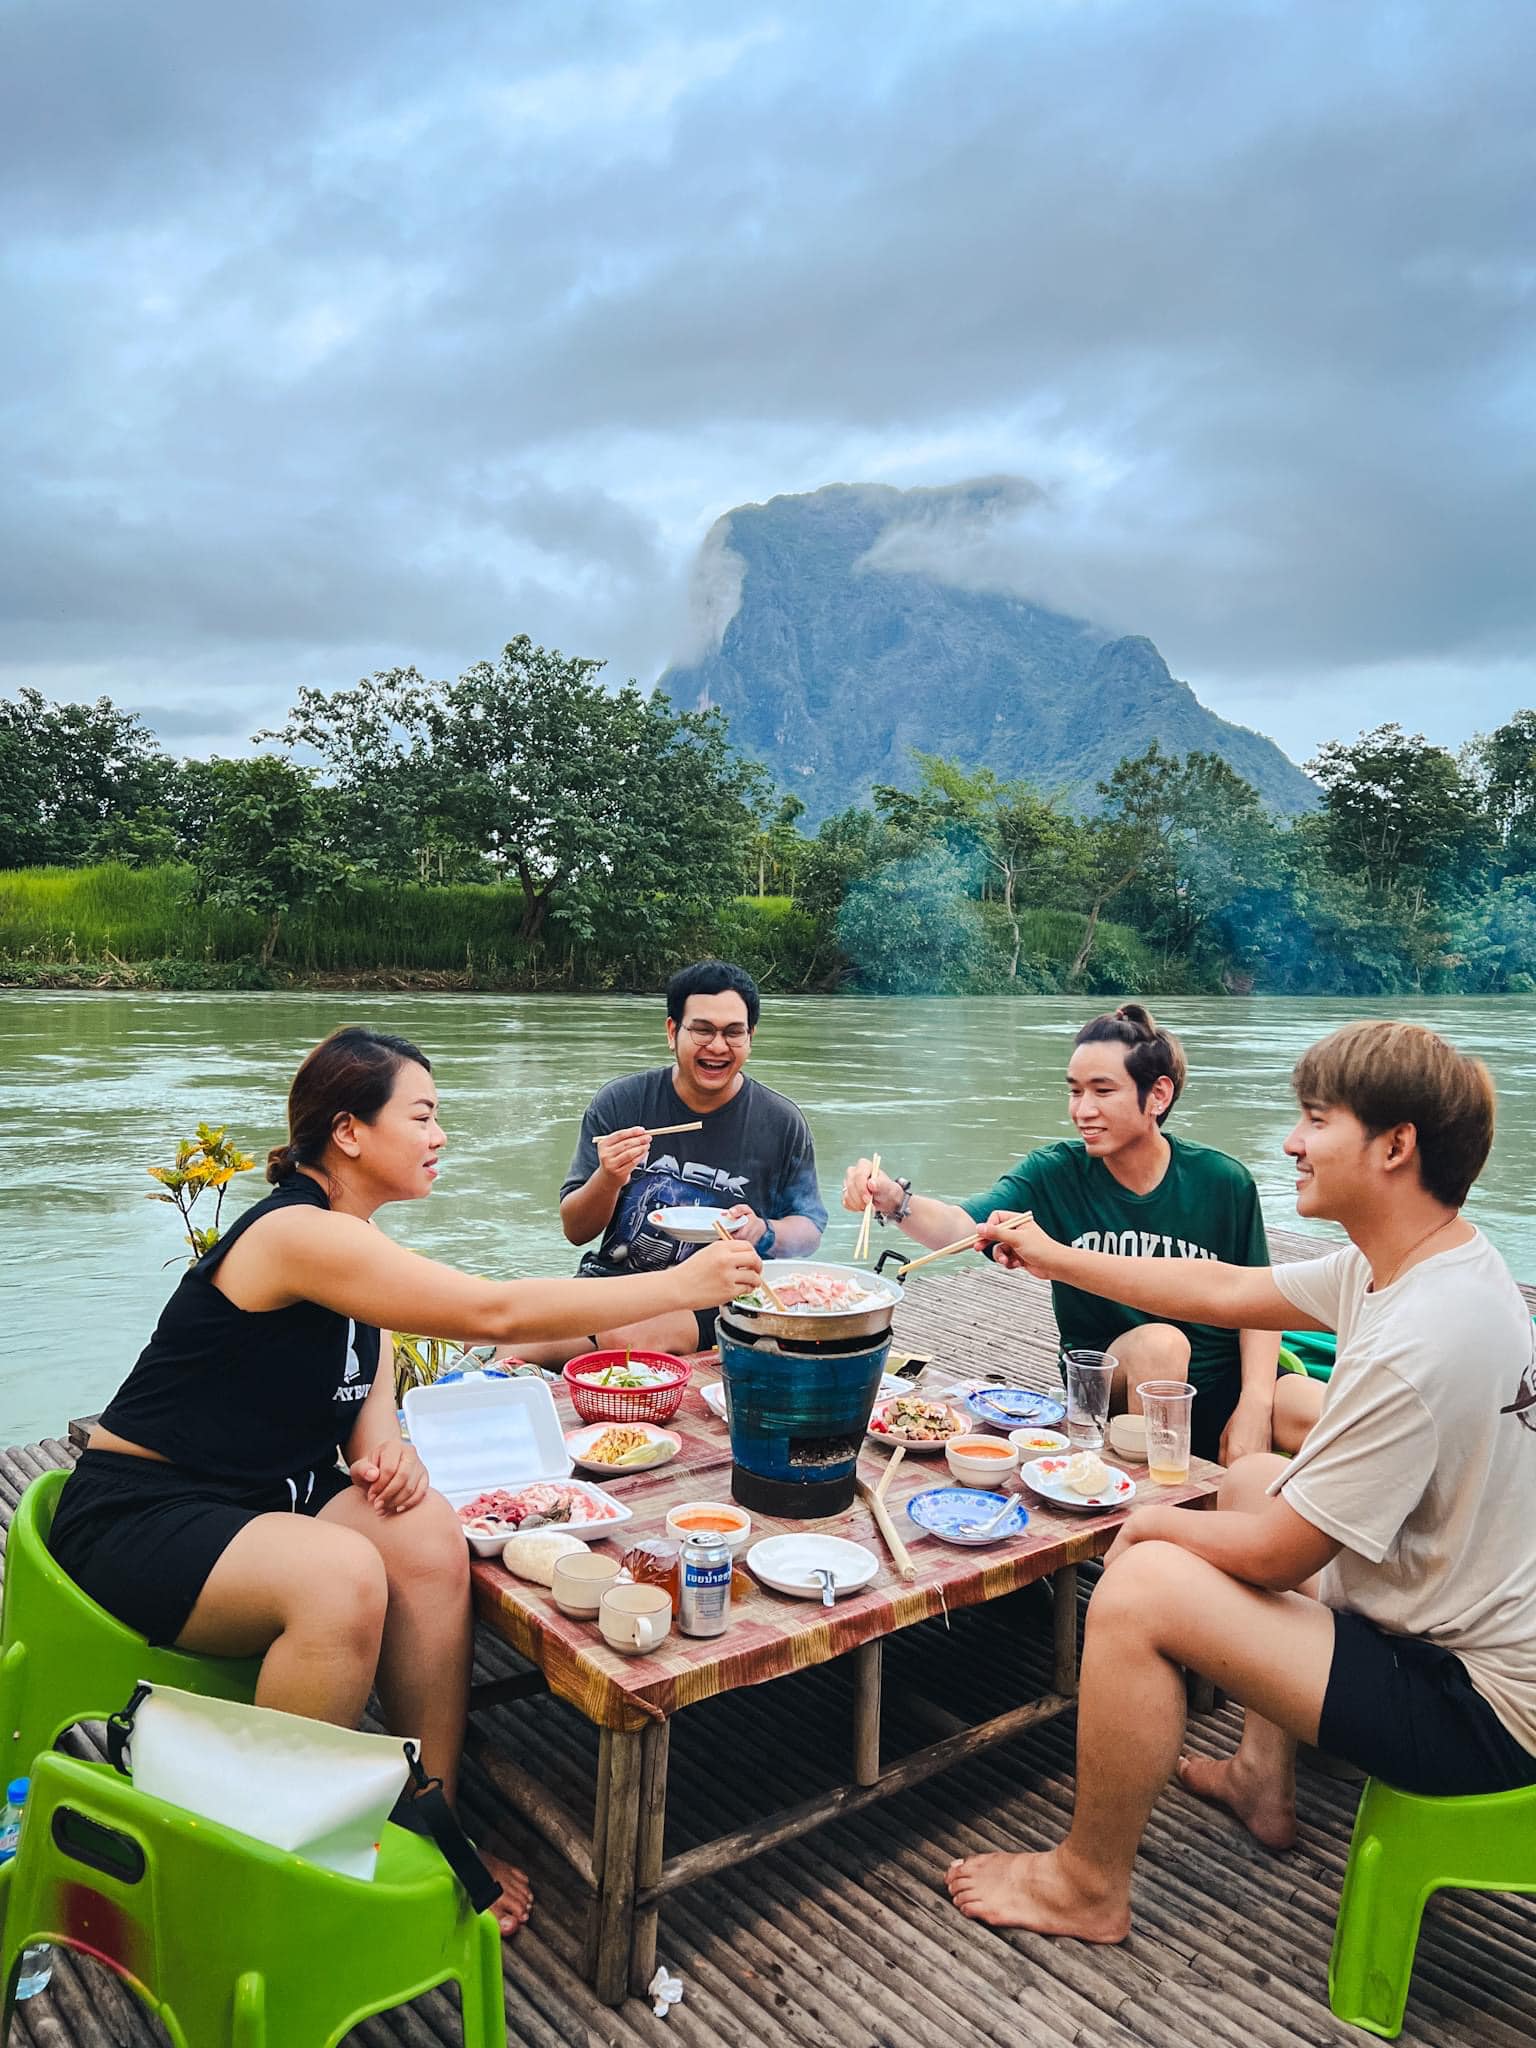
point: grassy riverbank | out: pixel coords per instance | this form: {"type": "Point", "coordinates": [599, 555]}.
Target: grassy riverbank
{"type": "Point", "coordinates": [116, 927]}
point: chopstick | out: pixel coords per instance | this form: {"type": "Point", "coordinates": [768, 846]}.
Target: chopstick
{"type": "Point", "coordinates": [861, 1242]}
{"type": "Point", "coordinates": [947, 1251]}
{"type": "Point", "coordinates": [666, 1130]}
{"type": "Point", "coordinates": [961, 1244]}
{"type": "Point", "coordinates": [890, 1470]}
{"type": "Point", "coordinates": [727, 1236]}
{"type": "Point", "coordinates": [900, 1556]}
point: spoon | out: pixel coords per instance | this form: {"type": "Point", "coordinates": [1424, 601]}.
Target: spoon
{"type": "Point", "coordinates": [828, 1583]}
{"type": "Point", "coordinates": [990, 1528]}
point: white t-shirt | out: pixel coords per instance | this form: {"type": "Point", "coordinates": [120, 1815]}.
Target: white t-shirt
{"type": "Point", "coordinates": [1423, 1462]}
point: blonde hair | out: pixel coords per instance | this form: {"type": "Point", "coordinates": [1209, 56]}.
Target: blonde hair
{"type": "Point", "coordinates": [1386, 1074]}
{"type": "Point", "coordinates": [1150, 1052]}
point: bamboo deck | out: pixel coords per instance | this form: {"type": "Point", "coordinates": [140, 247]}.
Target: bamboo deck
{"type": "Point", "coordinates": [846, 1939]}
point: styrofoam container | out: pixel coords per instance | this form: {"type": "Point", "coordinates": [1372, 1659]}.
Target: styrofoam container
{"type": "Point", "coordinates": [474, 1435]}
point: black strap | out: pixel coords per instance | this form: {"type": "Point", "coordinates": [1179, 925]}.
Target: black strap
{"type": "Point", "coordinates": [120, 1729]}
{"type": "Point", "coordinates": [436, 1816]}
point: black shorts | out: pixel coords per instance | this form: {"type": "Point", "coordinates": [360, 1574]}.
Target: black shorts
{"type": "Point", "coordinates": [141, 1536]}
{"type": "Point", "coordinates": [704, 1321]}
{"type": "Point", "coordinates": [1407, 1712]}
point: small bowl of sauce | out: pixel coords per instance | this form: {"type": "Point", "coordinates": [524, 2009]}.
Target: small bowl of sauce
{"type": "Point", "coordinates": [710, 1517]}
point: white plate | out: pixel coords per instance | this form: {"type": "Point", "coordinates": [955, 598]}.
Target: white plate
{"type": "Point", "coordinates": [786, 1562]}
{"type": "Point", "coordinates": [915, 1448]}
{"type": "Point", "coordinates": [488, 1542]}
{"type": "Point", "coordinates": [690, 1223]}
{"type": "Point", "coordinates": [712, 1392]}
{"type": "Point", "coordinates": [1043, 1476]}
{"type": "Point", "coordinates": [664, 1444]}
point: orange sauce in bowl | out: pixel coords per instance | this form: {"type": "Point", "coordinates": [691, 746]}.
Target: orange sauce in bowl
{"type": "Point", "coordinates": [725, 1523]}
{"type": "Point", "coordinates": [982, 1450]}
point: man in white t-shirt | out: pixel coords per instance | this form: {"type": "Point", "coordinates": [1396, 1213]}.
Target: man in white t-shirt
{"type": "Point", "coordinates": [1377, 1594]}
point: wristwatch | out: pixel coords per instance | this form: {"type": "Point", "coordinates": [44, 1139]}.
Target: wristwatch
{"type": "Point", "coordinates": [899, 1213]}
{"type": "Point", "coordinates": [764, 1245]}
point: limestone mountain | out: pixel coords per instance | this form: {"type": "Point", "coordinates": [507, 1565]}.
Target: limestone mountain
{"type": "Point", "coordinates": [837, 632]}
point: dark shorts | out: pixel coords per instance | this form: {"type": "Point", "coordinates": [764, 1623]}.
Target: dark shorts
{"type": "Point", "coordinates": [141, 1536]}
{"type": "Point", "coordinates": [1406, 1712]}
{"type": "Point", "coordinates": [704, 1320]}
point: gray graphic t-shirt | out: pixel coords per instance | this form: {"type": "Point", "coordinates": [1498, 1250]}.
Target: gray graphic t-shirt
{"type": "Point", "coordinates": [756, 1148]}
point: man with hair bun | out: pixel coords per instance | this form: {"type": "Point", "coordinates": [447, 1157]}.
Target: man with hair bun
{"type": "Point", "coordinates": [1123, 1185]}
{"type": "Point", "coordinates": [1376, 1594]}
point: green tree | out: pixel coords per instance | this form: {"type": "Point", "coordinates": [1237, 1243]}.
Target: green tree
{"type": "Point", "coordinates": [1018, 839]}
{"type": "Point", "coordinates": [270, 848]}
{"type": "Point", "coordinates": [66, 771]}
{"type": "Point", "coordinates": [1503, 763]}
{"type": "Point", "coordinates": [1398, 813]}
{"type": "Point", "coordinates": [912, 928]}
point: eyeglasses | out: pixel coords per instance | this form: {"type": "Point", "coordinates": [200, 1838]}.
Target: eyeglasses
{"type": "Point", "coordinates": [733, 1034]}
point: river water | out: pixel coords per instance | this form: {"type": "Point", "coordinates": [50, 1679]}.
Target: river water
{"type": "Point", "coordinates": [94, 1089]}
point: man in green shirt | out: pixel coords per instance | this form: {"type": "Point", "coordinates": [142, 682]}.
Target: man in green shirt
{"type": "Point", "coordinates": [1124, 1186]}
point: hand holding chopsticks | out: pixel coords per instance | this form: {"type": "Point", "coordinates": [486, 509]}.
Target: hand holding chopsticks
{"type": "Point", "coordinates": [947, 1251]}
{"type": "Point", "coordinates": [861, 1242]}
{"type": "Point", "coordinates": [724, 1231]}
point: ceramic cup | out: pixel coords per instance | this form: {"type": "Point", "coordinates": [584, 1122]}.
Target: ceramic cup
{"type": "Point", "coordinates": [634, 1619]}
{"type": "Point", "coordinates": [581, 1581]}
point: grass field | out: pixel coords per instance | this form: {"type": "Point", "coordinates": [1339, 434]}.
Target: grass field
{"type": "Point", "coordinates": [119, 917]}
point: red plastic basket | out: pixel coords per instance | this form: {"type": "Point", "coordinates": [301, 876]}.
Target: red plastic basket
{"type": "Point", "coordinates": [658, 1403]}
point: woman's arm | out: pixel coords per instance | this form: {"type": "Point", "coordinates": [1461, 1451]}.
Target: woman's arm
{"type": "Point", "coordinates": [378, 1457]}
{"type": "Point", "coordinates": [1184, 1290]}
{"type": "Point", "coordinates": [349, 1266]}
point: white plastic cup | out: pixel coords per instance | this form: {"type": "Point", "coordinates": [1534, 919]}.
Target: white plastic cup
{"type": "Point", "coordinates": [1090, 1378]}
{"type": "Point", "coordinates": [1167, 1407]}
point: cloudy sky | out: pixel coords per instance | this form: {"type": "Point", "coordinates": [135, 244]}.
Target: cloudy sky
{"type": "Point", "coordinates": [344, 335]}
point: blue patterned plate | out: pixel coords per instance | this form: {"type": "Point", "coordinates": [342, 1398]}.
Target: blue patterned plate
{"type": "Point", "coordinates": [1014, 1408]}
{"type": "Point", "coordinates": [944, 1511]}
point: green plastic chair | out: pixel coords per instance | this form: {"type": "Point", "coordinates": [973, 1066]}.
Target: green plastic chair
{"type": "Point", "coordinates": [64, 1659]}
{"type": "Point", "coordinates": [1404, 1848]}
{"type": "Point", "coordinates": [230, 1943]}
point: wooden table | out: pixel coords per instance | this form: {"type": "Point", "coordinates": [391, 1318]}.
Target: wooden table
{"type": "Point", "coordinates": [631, 1700]}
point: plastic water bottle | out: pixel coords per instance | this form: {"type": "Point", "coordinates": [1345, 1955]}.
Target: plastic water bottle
{"type": "Point", "coordinates": [36, 1961]}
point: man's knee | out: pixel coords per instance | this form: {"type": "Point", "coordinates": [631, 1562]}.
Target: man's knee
{"type": "Point", "coordinates": [1245, 1485]}
{"type": "Point", "coordinates": [1135, 1593]}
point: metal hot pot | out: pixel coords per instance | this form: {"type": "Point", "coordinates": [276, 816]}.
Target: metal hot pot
{"type": "Point", "coordinates": [799, 1388]}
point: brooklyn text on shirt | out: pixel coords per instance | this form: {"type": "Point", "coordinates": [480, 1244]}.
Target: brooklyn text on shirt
{"type": "Point", "coordinates": [1140, 1244]}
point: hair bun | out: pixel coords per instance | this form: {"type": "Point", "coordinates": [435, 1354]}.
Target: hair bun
{"type": "Point", "coordinates": [1137, 1014]}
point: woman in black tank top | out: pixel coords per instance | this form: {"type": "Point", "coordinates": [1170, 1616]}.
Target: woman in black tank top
{"type": "Point", "coordinates": [247, 1491]}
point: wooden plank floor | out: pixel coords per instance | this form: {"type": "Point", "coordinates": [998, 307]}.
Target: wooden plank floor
{"type": "Point", "coordinates": [847, 1939]}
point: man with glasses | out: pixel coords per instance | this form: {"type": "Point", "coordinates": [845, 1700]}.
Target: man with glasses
{"type": "Point", "coordinates": [751, 1158]}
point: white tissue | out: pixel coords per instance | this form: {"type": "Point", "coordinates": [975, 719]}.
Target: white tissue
{"type": "Point", "coordinates": [665, 1991]}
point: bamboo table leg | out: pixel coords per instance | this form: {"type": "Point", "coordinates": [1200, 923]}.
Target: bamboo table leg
{"type": "Point", "coordinates": [613, 1910]}
{"type": "Point", "coordinates": [866, 1712]}
{"type": "Point", "coordinates": [654, 1745]}
{"type": "Point", "coordinates": [1064, 1628]}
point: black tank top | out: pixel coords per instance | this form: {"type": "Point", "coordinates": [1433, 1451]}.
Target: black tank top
{"type": "Point", "coordinates": [247, 1394]}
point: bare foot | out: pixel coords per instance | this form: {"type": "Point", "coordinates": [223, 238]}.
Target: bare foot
{"type": "Point", "coordinates": [1266, 1810]}
{"type": "Point", "coordinates": [1036, 1892]}
{"type": "Point", "coordinates": [516, 1901]}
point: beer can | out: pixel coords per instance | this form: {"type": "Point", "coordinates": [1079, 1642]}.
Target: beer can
{"type": "Point", "coordinates": [704, 1585]}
